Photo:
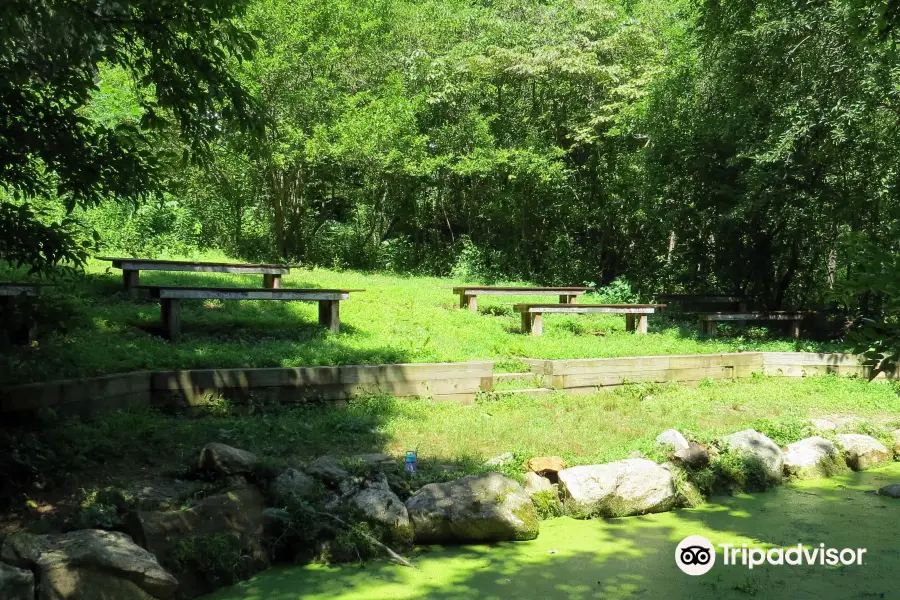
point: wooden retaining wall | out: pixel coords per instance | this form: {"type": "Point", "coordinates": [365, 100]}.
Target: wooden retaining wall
{"type": "Point", "coordinates": [459, 382]}
{"type": "Point", "coordinates": [593, 373]}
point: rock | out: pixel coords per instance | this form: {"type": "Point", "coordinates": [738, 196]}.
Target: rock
{"type": "Point", "coordinates": [382, 507]}
{"type": "Point", "coordinates": [891, 491]}
{"type": "Point", "coordinates": [293, 486]}
{"type": "Point", "coordinates": [632, 486]}
{"type": "Point", "coordinates": [328, 469]}
{"type": "Point", "coordinates": [16, 584]}
{"type": "Point", "coordinates": [534, 483]}
{"type": "Point", "coordinates": [91, 564]}
{"type": "Point", "coordinates": [238, 514]}
{"type": "Point", "coordinates": [823, 424]}
{"type": "Point", "coordinates": [672, 437]}
{"type": "Point", "coordinates": [499, 461]}
{"type": "Point", "coordinates": [813, 457]}
{"type": "Point", "coordinates": [547, 466]}
{"type": "Point", "coordinates": [484, 508]}
{"type": "Point", "coordinates": [224, 460]}
{"type": "Point", "coordinates": [862, 451]}
{"type": "Point", "coordinates": [754, 444]}
{"type": "Point", "coordinates": [695, 456]}
{"type": "Point", "coordinates": [636, 454]}
{"type": "Point", "coordinates": [836, 422]}
{"type": "Point", "coordinates": [376, 459]}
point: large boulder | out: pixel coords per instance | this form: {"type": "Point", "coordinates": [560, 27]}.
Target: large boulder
{"type": "Point", "coordinates": [15, 583]}
{"type": "Point", "coordinates": [381, 507]}
{"type": "Point", "coordinates": [484, 508]}
{"type": "Point", "coordinates": [546, 466]}
{"type": "Point", "coordinates": [673, 438]}
{"type": "Point", "coordinates": [695, 456]}
{"type": "Point", "coordinates": [225, 460]}
{"type": "Point", "coordinates": [758, 447]}
{"type": "Point", "coordinates": [632, 486]}
{"type": "Point", "coordinates": [813, 457]}
{"type": "Point", "coordinates": [235, 517]}
{"type": "Point", "coordinates": [89, 564]}
{"type": "Point", "coordinates": [293, 486]}
{"type": "Point", "coordinates": [328, 468]}
{"type": "Point", "coordinates": [863, 451]}
{"type": "Point", "coordinates": [535, 484]}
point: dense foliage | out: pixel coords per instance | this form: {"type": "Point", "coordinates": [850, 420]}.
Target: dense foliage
{"type": "Point", "coordinates": [734, 145]}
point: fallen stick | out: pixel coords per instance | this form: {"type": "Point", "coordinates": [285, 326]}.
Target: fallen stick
{"type": "Point", "coordinates": [394, 556]}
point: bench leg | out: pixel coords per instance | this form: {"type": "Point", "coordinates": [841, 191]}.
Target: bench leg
{"type": "Point", "coordinates": [470, 302]}
{"type": "Point", "coordinates": [563, 298]}
{"type": "Point", "coordinates": [131, 279]}
{"type": "Point", "coordinates": [573, 299]}
{"type": "Point", "coordinates": [795, 329]}
{"type": "Point", "coordinates": [330, 315]}
{"type": "Point", "coordinates": [711, 328]}
{"type": "Point", "coordinates": [642, 324]}
{"type": "Point", "coordinates": [526, 323]}
{"type": "Point", "coordinates": [271, 281]}
{"type": "Point", "coordinates": [171, 317]}
{"type": "Point", "coordinates": [629, 323]}
{"type": "Point", "coordinates": [537, 324]}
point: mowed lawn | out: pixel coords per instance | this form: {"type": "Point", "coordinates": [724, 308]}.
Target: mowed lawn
{"type": "Point", "coordinates": [397, 319]}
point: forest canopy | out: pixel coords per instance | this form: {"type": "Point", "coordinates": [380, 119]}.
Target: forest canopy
{"type": "Point", "coordinates": [732, 145]}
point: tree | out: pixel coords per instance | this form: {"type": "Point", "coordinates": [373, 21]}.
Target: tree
{"type": "Point", "coordinates": [179, 54]}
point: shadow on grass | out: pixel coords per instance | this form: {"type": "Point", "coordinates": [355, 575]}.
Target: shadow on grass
{"type": "Point", "coordinates": [634, 557]}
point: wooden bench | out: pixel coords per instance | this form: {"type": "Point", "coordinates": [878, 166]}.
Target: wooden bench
{"type": "Point", "coordinates": [696, 302]}
{"type": "Point", "coordinates": [709, 321]}
{"type": "Point", "coordinates": [468, 296]}
{"type": "Point", "coordinates": [132, 267]}
{"type": "Point", "coordinates": [533, 314]}
{"type": "Point", "coordinates": [170, 301]}
{"type": "Point", "coordinates": [10, 290]}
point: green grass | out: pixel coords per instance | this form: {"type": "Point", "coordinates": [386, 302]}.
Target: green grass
{"type": "Point", "coordinates": [634, 557]}
{"type": "Point", "coordinates": [397, 319]}
{"type": "Point", "coordinates": [587, 429]}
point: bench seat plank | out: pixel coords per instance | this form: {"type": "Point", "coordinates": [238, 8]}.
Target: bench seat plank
{"type": "Point", "coordinates": [635, 314]}
{"type": "Point", "coordinates": [20, 289]}
{"type": "Point", "coordinates": [708, 321]}
{"type": "Point", "coordinates": [468, 295]}
{"type": "Point", "coordinates": [132, 267]}
{"type": "Point", "coordinates": [170, 301]}
{"type": "Point", "coordinates": [754, 316]}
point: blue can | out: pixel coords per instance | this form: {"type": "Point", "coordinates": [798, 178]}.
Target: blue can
{"type": "Point", "coordinates": [411, 461]}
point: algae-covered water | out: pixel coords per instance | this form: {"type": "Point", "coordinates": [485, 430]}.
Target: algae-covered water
{"type": "Point", "coordinates": [634, 557]}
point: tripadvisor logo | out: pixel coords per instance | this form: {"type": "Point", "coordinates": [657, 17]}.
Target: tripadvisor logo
{"type": "Point", "coordinates": [696, 555]}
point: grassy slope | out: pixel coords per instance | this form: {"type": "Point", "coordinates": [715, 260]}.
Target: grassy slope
{"type": "Point", "coordinates": [398, 319]}
{"type": "Point", "coordinates": [634, 557]}
{"type": "Point", "coordinates": [584, 429]}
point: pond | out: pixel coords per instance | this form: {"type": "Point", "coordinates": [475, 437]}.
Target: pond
{"type": "Point", "coordinates": [634, 557]}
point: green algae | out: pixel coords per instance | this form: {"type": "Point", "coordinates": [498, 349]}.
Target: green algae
{"type": "Point", "coordinates": [633, 557]}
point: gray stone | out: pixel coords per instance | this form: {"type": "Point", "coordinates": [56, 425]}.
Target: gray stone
{"type": "Point", "coordinates": [380, 506]}
{"type": "Point", "coordinates": [376, 459]}
{"type": "Point", "coordinates": [328, 469]}
{"type": "Point", "coordinates": [293, 486]}
{"type": "Point", "coordinates": [225, 460]}
{"type": "Point", "coordinates": [695, 456]}
{"type": "Point", "coordinates": [484, 508]}
{"type": "Point", "coordinates": [499, 461]}
{"type": "Point", "coordinates": [91, 564]}
{"type": "Point", "coordinates": [534, 483]}
{"type": "Point", "coordinates": [756, 445]}
{"type": "Point", "coordinates": [823, 424]}
{"type": "Point", "coordinates": [237, 513]}
{"type": "Point", "coordinates": [673, 438]}
{"type": "Point", "coordinates": [862, 451]}
{"type": "Point", "coordinates": [632, 486]}
{"type": "Point", "coordinates": [813, 457]}
{"type": "Point", "coordinates": [15, 583]}
{"type": "Point", "coordinates": [891, 491]}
